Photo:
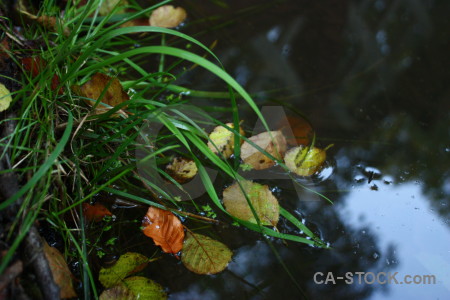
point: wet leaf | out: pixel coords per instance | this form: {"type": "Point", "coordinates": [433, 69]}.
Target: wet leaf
{"type": "Point", "coordinates": [60, 271]}
{"type": "Point", "coordinates": [222, 140]}
{"type": "Point", "coordinates": [182, 169]}
{"type": "Point", "coordinates": [263, 201]}
{"type": "Point", "coordinates": [299, 127]}
{"type": "Point", "coordinates": [96, 212]}
{"type": "Point", "coordinates": [167, 16]}
{"type": "Point", "coordinates": [94, 88]}
{"type": "Point", "coordinates": [164, 228]}
{"type": "Point", "coordinates": [5, 97]}
{"type": "Point", "coordinates": [273, 142]}
{"type": "Point", "coordinates": [118, 292]}
{"type": "Point", "coordinates": [305, 161]}
{"type": "Point", "coordinates": [127, 264]}
{"type": "Point", "coordinates": [204, 255]}
{"type": "Point", "coordinates": [107, 6]}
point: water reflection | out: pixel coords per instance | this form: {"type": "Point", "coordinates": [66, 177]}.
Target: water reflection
{"type": "Point", "coordinates": [372, 78]}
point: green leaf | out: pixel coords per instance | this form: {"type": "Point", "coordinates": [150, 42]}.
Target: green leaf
{"type": "Point", "coordinates": [127, 264]}
{"type": "Point", "coordinates": [134, 288]}
{"type": "Point", "coordinates": [305, 161]}
{"type": "Point", "coordinates": [263, 202]}
{"type": "Point", "coordinates": [203, 255]}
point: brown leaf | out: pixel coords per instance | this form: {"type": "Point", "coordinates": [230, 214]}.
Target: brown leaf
{"type": "Point", "coordinates": [36, 65]}
{"type": "Point", "coordinates": [164, 228]}
{"type": "Point", "coordinates": [60, 271]}
{"type": "Point", "coordinates": [273, 142]}
{"type": "Point", "coordinates": [94, 88]}
{"type": "Point", "coordinates": [136, 22]}
{"type": "Point", "coordinates": [182, 169]}
{"type": "Point", "coordinates": [301, 130]}
{"type": "Point", "coordinates": [95, 212]}
{"type": "Point", "coordinates": [167, 16]}
{"type": "Point", "coordinates": [51, 24]}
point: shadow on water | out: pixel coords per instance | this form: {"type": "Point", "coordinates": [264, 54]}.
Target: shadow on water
{"type": "Point", "coordinates": [372, 78]}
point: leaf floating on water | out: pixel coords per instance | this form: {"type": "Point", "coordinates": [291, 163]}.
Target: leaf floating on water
{"type": "Point", "coordinates": [118, 292]}
{"type": "Point", "coordinates": [96, 212]}
{"type": "Point", "coordinates": [134, 288]}
{"type": "Point", "coordinates": [167, 16]}
{"type": "Point", "coordinates": [263, 201]}
{"type": "Point", "coordinates": [5, 97]}
{"type": "Point", "coordinates": [96, 86]}
{"type": "Point", "coordinates": [305, 161]}
{"type": "Point", "coordinates": [222, 140]}
{"type": "Point", "coordinates": [272, 142]}
{"type": "Point", "coordinates": [126, 265]}
{"type": "Point", "coordinates": [60, 271]}
{"type": "Point", "coordinates": [299, 127]}
{"type": "Point", "coordinates": [164, 228]}
{"type": "Point", "coordinates": [182, 169]}
{"type": "Point", "coordinates": [204, 255]}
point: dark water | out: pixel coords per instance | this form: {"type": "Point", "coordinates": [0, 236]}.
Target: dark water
{"type": "Point", "coordinates": [373, 79]}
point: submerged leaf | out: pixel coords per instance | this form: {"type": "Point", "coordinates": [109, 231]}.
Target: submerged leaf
{"type": "Point", "coordinates": [167, 16]}
{"type": "Point", "coordinates": [134, 288]}
{"type": "Point", "coordinates": [5, 97]}
{"type": "Point", "coordinates": [299, 127]}
{"type": "Point", "coordinates": [127, 264]}
{"type": "Point", "coordinates": [222, 140]}
{"type": "Point", "coordinates": [273, 142]}
{"type": "Point", "coordinates": [118, 292]}
{"type": "Point", "coordinates": [182, 169]}
{"type": "Point", "coordinates": [95, 87]}
{"type": "Point", "coordinates": [96, 212]}
{"type": "Point", "coordinates": [263, 201]}
{"type": "Point", "coordinates": [60, 271]}
{"type": "Point", "coordinates": [164, 228]}
{"type": "Point", "coordinates": [305, 161]}
{"type": "Point", "coordinates": [203, 255]}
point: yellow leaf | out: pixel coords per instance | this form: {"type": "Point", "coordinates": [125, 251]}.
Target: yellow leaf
{"type": "Point", "coordinates": [5, 97]}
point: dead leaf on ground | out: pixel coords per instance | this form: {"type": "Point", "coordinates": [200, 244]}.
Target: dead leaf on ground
{"type": "Point", "coordinates": [96, 212]}
{"type": "Point", "coordinates": [94, 88]}
{"type": "Point", "coordinates": [107, 6]}
{"type": "Point", "coordinates": [60, 271]}
{"type": "Point", "coordinates": [164, 228]}
{"type": "Point", "coordinates": [222, 140]}
{"type": "Point", "coordinates": [5, 97]}
{"type": "Point", "coordinates": [167, 16]}
{"type": "Point", "coordinates": [36, 65]}
{"type": "Point", "coordinates": [263, 201]}
{"type": "Point", "coordinates": [52, 24]}
{"type": "Point", "coordinates": [204, 255]}
{"type": "Point", "coordinates": [273, 142]}
{"type": "Point", "coordinates": [136, 22]}
{"type": "Point", "coordinates": [182, 169]}
{"type": "Point", "coordinates": [127, 264]}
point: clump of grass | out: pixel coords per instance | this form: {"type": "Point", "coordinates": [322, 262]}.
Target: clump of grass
{"type": "Point", "coordinates": [66, 155]}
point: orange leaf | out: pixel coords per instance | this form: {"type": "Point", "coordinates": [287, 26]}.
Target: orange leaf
{"type": "Point", "coordinates": [96, 86]}
{"type": "Point", "coordinates": [60, 271]}
{"type": "Point", "coordinates": [95, 212]}
{"type": "Point", "coordinates": [301, 129]}
{"type": "Point", "coordinates": [165, 229]}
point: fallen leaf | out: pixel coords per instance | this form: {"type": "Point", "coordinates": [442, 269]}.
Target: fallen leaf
{"type": "Point", "coordinates": [167, 16]}
{"type": "Point", "coordinates": [60, 271]}
{"type": "Point", "coordinates": [107, 6]}
{"type": "Point", "coordinates": [36, 65]}
{"type": "Point", "coordinates": [304, 160]}
{"type": "Point", "coordinates": [94, 88]}
{"type": "Point", "coordinates": [95, 212]}
{"type": "Point", "coordinates": [118, 292]}
{"type": "Point", "coordinates": [4, 49]}
{"type": "Point", "coordinates": [5, 97]}
{"type": "Point", "coordinates": [126, 265]}
{"type": "Point", "coordinates": [204, 255]}
{"type": "Point", "coordinates": [263, 201]}
{"type": "Point", "coordinates": [164, 228]}
{"type": "Point", "coordinates": [273, 142]}
{"type": "Point", "coordinates": [300, 128]}
{"type": "Point", "coordinates": [145, 288]}
{"type": "Point", "coordinates": [136, 22]}
{"type": "Point", "coordinates": [51, 24]}
{"type": "Point", "coordinates": [182, 169]}
{"type": "Point", "coordinates": [222, 140]}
